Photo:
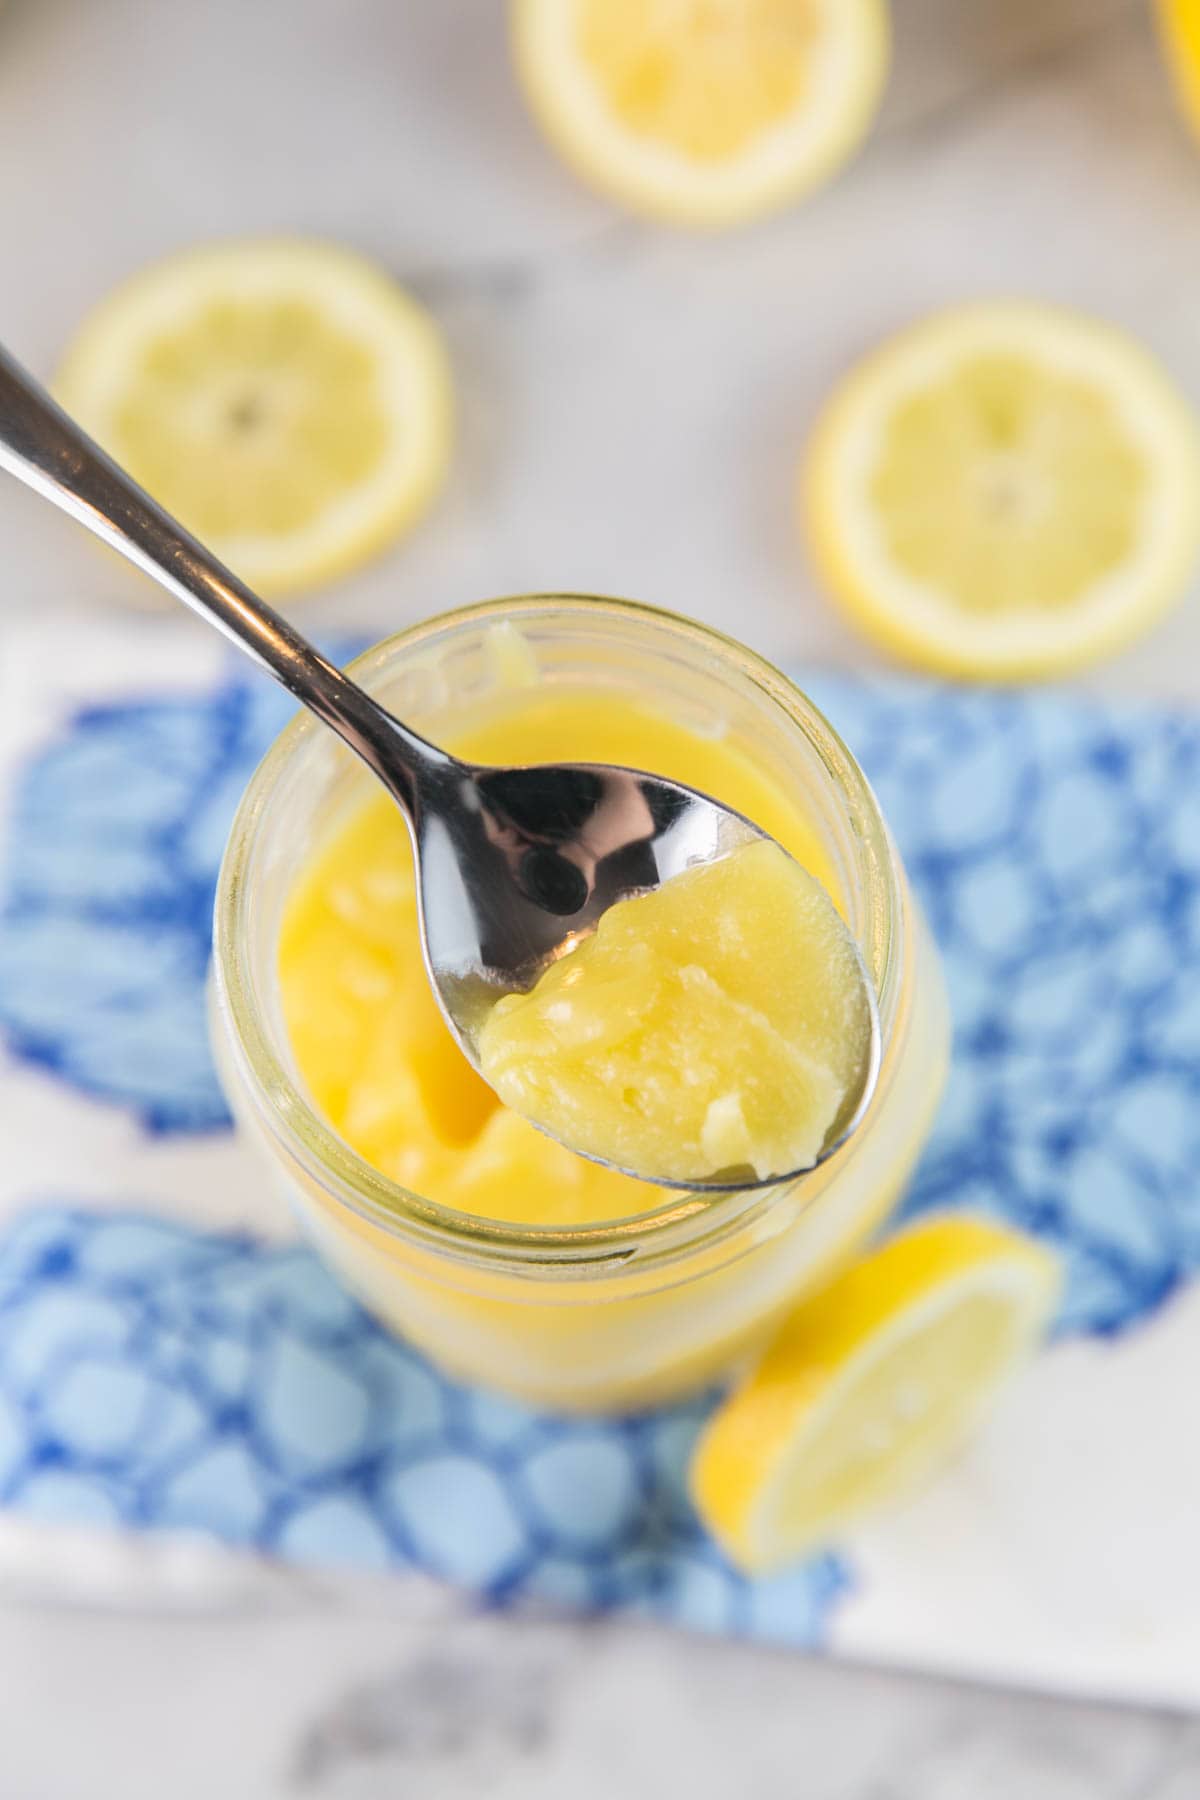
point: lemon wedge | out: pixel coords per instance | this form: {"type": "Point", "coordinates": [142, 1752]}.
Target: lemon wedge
{"type": "Point", "coordinates": [702, 112]}
{"type": "Point", "coordinates": [869, 1386]}
{"type": "Point", "coordinates": [284, 399]}
{"type": "Point", "coordinates": [1179, 29]}
{"type": "Point", "coordinates": [1005, 490]}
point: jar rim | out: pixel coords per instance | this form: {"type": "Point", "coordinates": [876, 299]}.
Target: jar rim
{"type": "Point", "coordinates": [312, 1143]}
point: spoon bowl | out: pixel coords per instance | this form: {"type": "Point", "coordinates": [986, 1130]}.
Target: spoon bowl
{"type": "Point", "coordinates": [514, 865]}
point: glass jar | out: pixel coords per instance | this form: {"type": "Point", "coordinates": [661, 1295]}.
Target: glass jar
{"type": "Point", "coordinates": [637, 1310]}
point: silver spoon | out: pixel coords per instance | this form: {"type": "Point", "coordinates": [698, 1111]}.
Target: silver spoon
{"type": "Point", "coordinates": [513, 864]}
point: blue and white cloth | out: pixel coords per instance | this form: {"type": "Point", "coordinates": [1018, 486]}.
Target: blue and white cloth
{"type": "Point", "coordinates": [168, 1359]}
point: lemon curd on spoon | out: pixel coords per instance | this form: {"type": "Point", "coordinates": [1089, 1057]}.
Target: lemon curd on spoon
{"type": "Point", "coordinates": [721, 1020]}
{"type": "Point", "coordinates": [714, 1026]}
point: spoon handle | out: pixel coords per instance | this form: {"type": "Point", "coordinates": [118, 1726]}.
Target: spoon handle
{"type": "Point", "coordinates": [48, 451]}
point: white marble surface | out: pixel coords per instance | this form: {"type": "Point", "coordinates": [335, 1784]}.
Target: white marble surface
{"type": "Point", "coordinates": [341, 1692]}
{"type": "Point", "coordinates": [632, 403]}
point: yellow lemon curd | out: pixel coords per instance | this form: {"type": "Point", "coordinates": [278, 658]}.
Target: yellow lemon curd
{"type": "Point", "coordinates": [713, 1027]}
{"type": "Point", "coordinates": [369, 1041]}
{"type": "Point", "coordinates": [660, 1293]}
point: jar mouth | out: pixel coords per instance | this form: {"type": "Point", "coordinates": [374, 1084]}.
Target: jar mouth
{"type": "Point", "coordinates": [258, 1046]}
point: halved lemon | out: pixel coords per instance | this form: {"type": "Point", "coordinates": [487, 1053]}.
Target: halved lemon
{"type": "Point", "coordinates": [1005, 490]}
{"type": "Point", "coordinates": [1179, 28]}
{"type": "Point", "coordinates": [285, 399]}
{"type": "Point", "coordinates": [703, 112]}
{"type": "Point", "coordinates": [869, 1387]}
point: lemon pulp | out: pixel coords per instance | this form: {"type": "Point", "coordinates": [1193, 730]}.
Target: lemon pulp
{"type": "Point", "coordinates": [1007, 486]}
{"type": "Point", "coordinates": [712, 1026]}
{"type": "Point", "coordinates": [703, 79]}
{"type": "Point", "coordinates": [252, 417]}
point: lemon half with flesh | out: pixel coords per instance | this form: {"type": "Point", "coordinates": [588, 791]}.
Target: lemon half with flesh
{"type": "Point", "coordinates": [285, 399]}
{"type": "Point", "coordinates": [869, 1387]}
{"type": "Point", "coordinates": [702, 112]}
{"type": "Point", "coordinates": [1005, 490]}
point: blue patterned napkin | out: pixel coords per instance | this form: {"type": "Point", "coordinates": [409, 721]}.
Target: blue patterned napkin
{"type": "Point", "coordinates": [161, 1365]}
